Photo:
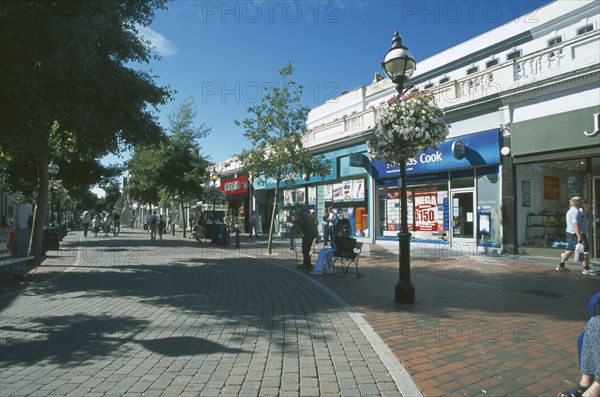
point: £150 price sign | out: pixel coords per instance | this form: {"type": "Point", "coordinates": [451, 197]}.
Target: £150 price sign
{"type": "Point", "coordinates": [426, 210]}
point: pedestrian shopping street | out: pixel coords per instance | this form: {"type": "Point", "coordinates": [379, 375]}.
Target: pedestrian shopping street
{"type": "Point", "coordinates": [130, 316]}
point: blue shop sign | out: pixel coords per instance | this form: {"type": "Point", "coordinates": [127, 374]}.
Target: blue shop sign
{"type": "Point", "coordinates": [466, 151]}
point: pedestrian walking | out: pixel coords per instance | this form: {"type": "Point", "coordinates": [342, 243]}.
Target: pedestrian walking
{"type": "Point", "coordinates": [153, 225]}
{"type": "Point", "coordinates": [96, 224]}
{"type": "Point", "coordinates": [161, 226]}
{"type": "Point", "coordinates": [85, 221]}
{"type": "Point", "coordinates": [577, 227]}
{"type": "Point", "coordinates": [116, 224]}
{"type": "Point", "coordinates": [252, 221]}
{"type": "Point", "coordinates": [108, 221]}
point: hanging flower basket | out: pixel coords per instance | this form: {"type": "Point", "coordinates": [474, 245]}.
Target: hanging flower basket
{"type": "Point", "coordinates": [214, 195]}
{"type": "Point", "coordinates": [410, 124]}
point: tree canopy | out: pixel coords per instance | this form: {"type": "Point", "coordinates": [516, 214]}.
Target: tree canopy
{"type": "Point", "coordinates": [69, 89]}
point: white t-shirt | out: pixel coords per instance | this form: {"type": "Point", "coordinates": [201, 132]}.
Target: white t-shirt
{"type": "Point", "coordinates": [573, 217]}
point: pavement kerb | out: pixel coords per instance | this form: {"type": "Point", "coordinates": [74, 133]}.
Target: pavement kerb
{"type": "Point", "coordinates": [402, 379]}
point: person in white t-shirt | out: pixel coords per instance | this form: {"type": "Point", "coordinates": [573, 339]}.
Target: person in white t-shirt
{"type": "Point", "coordinates": [577, 227]}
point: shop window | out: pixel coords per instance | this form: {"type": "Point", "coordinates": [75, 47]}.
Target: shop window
{"type": "Point", "coordinates": [427, 209]}
{"type": "Point", "coordinates": [348, 198]}
{"type": "Point", "coordinates": [489, 217]}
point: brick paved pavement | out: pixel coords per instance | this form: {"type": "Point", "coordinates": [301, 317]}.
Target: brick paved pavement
{"type": "Point", "coordinates": [175, 317]}
{"type": "Point", "coordinates": [481, 326]}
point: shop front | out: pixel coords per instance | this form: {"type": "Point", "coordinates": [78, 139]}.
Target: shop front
{"type": "Point", "coordinates": [556, 158]}
{"type": "Point", "coordinates": [345, 190]}
{"type": "Point", "coordinates": [236, 190]}
{"type": "Point", "coordinates": [453, 193]}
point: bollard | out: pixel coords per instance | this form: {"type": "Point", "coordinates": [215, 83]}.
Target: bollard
{"type": "Point", "coordinates": [237, 237]}
{"type": "Point", "coordinates": [173, 229]}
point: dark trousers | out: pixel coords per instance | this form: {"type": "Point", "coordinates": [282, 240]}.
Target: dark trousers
{"type": "Point", "coordinates": [307, 241]}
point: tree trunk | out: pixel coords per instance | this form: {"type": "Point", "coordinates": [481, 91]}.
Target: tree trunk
{"type": "Point", "coordinates": [39, 217]}
{"type": "Point", "coordinates": [272, 226]}
{"type": "Point", "coordinates": [183, 220]}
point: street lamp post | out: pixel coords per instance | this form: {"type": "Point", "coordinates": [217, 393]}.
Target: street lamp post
{"type": "Point", "coordinates": [53, 169]}
{"type": "Point", "coordinates": [214, 176]}
{"type": "Point", "coordinates": [399, 65]}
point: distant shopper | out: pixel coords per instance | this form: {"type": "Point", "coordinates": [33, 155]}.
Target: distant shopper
{"type": "Point", "coordinates": [85, 221]}
{"type": "Point", "coordinates": [96, 224]}
{"type": "Point", "coordinates": [153, 225]}
{"type": "Point", "coordinates": [325, 223]}
{"type": "Point", "coordinates": [252, 222]}
{"type": "Point", "coordinates": [161, 226]}
{"type": "Point", "coordinates": [332, 221]}
{"type": "Point", "coordinates": [577, 227]}
{"type": "Point", "coordinates": [116, 223]}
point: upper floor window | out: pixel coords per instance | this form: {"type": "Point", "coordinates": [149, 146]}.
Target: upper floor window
{"type": "Point", "coordinates": [472, 70]}
{"type": "Point", "coordinates": [491, 63]}
{"type": "Point", "coordinates": [555, 41]}
{"type": "Point", "coordinates": [444, 80]}
{"type": "Point", "coordinates": [428, 86]}
{"type": "Point", "coordinates": [585, 29]}
{"type": "Point", "coordinates": [513, 55]}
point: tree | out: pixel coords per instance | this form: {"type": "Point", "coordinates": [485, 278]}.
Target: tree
{"type": "Point", "coordinates": [275, 130]}
{"type": "Point", "coordinates": [184, 169]}
{"type": "Point", "coordinates": [113, 197]}
{"type": "Point", "coordinates": [174, 169]}
{"type": "Point", "coordinates": [65, 63]}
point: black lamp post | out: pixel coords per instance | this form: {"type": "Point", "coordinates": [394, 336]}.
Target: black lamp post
{"type": "Point", "coordinates": [214, 177]}
{"type": "Point", "coordinates": [53, 169]}
{"type": "Point", "coordinates": [400, 65]}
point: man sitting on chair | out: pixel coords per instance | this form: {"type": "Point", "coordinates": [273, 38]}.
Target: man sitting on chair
{"type": "Point", "coordinates": [325, 254]}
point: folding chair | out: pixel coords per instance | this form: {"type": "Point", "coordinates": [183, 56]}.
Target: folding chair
{"type": "Point", "coordinates": [347, 253]}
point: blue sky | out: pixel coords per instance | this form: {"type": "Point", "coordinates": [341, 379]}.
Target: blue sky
{"type": "Point", "coordinates": [221, 52]}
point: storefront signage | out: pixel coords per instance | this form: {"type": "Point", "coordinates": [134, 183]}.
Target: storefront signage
{"type": "Point", "coordinates": [235, 185]}
{"type": "Point", "coordinates": [465, 152]}
{"type": "Point", "coordinates": [596, 126]}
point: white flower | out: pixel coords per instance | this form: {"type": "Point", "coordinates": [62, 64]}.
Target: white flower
{"type": "Point", "coordinates": [410, 123]}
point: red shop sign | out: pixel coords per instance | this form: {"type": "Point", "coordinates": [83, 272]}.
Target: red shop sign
{"type": "Point", "coordinates": [235, 185]}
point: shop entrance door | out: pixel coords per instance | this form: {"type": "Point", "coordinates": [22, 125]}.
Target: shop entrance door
{"type": "Point", "coordinates": [462, 210]}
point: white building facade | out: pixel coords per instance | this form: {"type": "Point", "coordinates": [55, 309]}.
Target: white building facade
{"type": "Point", "coordinates": [523, 101]}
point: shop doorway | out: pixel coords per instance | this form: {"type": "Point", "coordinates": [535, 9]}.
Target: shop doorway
{"type": "Point", "coordinates": [462, 212]}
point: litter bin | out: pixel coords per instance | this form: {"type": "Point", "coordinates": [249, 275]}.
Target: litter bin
{"type": "Point", "coordinates": [53, 239]}
{"type": "Point", "coordinates": [222, 235]}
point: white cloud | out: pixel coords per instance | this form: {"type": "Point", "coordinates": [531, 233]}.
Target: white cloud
{"type": "Point", "coordinates": [161, 45]}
